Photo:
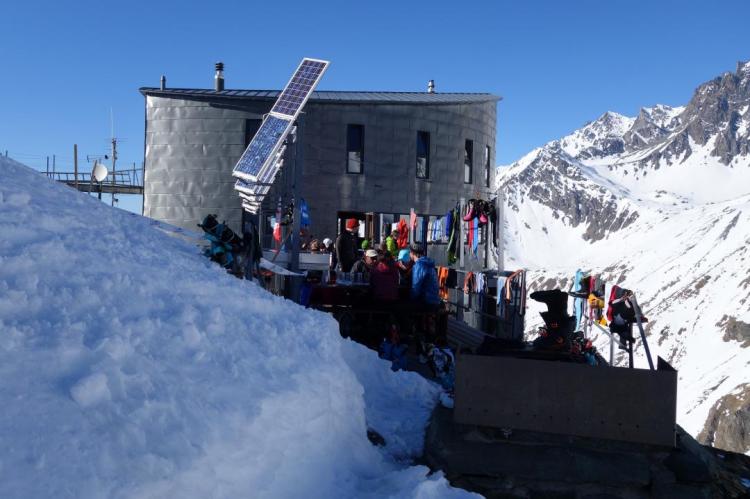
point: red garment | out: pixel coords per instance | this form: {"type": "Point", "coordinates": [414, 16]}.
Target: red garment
{"type": "Point", "coordinates": [403, 234]}
{"type": "Point", "coordinates": [471, 234]}
{"type": "Point", "coordinates": [384, 281]}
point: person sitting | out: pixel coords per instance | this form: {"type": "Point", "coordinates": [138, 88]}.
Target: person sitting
{"type": "Point", "coordinates": [384, 280]}
{"type": "Point", "coordinates": [424, 283]}
{"type": "Point", "coordinates": [346, 245]}
{"type": "Point", "coordinates": [366, 264]}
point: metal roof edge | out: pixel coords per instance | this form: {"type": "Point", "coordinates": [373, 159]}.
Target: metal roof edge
{"type": "Point", "coordinates": [343, 96]}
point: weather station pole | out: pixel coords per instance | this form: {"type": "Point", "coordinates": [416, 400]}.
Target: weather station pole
{"type": "Point", "coordinates": [75, 165]}
{"type": "Point", "coordinates": [114, 160]}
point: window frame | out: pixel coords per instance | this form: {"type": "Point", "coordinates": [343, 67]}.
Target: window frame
{"type": "Point", "coordinates": [422, 134]}
{"type": "Point", "coordinates": [469, 156]}
{"type": "Point", "coordinates": [361, 151]}
{"type": "Point", "coordinates": [487, 161]}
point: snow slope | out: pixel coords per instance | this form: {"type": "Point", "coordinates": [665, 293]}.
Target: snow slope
{"type": "Point", "coordinates": [131, 366]}
{"type": "Point", "coordinates": [660, 204]}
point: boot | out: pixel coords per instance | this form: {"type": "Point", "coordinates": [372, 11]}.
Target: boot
{"type": "Point", "coordinates": [472, 211]}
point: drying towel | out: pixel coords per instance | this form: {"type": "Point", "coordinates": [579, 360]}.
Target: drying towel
{"type": "Point", "coordinates": [469, 283]}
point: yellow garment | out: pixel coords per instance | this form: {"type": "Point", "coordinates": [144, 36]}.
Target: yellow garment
{"type": "Point", "coordinates": [595, 302]}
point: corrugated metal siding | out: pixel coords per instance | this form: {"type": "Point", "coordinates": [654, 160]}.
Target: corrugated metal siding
{"type": "Point", "coordinates": [193, 144]}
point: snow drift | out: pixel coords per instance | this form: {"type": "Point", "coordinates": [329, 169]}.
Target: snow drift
{"type": "Point", "coordinates": [131, 366]}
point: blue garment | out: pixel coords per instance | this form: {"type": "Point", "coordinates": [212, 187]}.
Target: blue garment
{"type": "Point", "coordinates": [304, 213]}
{"type": "Point", "coordinates": [424, 284]}
{"type": "Point", "coordinates": [475, 241]}
{"type": "Point", "coordinates": [448, 223]}
{"type": "Point", "coordinates": [396, 353]}
{"type": "Point", "coordinates": [578, 302]}
{"type": "Point", "coordinates": [403, 256]}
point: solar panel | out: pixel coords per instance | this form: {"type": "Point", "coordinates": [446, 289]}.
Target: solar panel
{"type": "Point", "coordinates": [261, 161]}
{"type": "Point", "coordinates": [299, 88]}
{"type": "Point", "coordinates": [265, 142]}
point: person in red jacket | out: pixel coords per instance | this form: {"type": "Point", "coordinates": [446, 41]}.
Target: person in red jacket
{"type": "Point", "coordinates": [384, 279]}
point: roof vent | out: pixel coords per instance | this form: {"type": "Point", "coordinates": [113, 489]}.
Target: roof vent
{"type": "Point", "coordinates": [431, 87]}
{"type": "Point", "coordinates": [163, 82]}
{"type": "Point", "coordinates": [219, 77]}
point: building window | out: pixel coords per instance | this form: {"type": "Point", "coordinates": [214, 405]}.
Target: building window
{"type": "Point", "coordinates": [468, 161]}
{"type": "Point", "coordinates": [355, 148]}
{"type": "Point", "coordinates": [423, 154]}
{"type": "Point", "coordinates": [251, 128]}
{"type": "Point", "coordinates": [487, 166]}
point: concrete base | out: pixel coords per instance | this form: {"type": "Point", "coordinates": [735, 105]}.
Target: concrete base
{"type": "Point", "coordinates": [523, 464]}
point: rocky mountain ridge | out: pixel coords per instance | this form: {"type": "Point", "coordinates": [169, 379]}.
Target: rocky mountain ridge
{"type": "Point", "coordinates": [659, 203]}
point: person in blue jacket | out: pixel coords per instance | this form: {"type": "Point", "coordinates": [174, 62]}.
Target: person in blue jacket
{"type": "Point", "coordinates": [424, 282]}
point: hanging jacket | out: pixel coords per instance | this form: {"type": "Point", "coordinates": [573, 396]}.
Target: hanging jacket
{"type": "Point", "coordinates": [403, 234]}
{"type": "Point", "coordinates": [424, 285]}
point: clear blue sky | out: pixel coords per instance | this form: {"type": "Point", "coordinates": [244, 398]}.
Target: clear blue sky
{"type": "Point", "coordinates": [557, 64]}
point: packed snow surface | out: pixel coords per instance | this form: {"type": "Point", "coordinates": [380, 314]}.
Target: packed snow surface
{"type": "Point", "coordinates": [132, 366]}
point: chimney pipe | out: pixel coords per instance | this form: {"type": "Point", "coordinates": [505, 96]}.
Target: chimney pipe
{"type": "Point", "coordinates": [219, 77]}
{"type": "Point", "coordinates": [163, 82]}
{"type": "Point", "coordinates": [431, 87]}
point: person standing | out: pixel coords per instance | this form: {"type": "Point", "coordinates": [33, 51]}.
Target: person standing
{"type": "Point", "coordinates": [391, 243]}
{"type": "Point", "coordinates": [346, 245]}
{"type": "Point", "coordinates": [424, 283]}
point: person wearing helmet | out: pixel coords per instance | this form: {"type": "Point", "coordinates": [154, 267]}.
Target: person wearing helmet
{"type": "Point", "coordinates": [346, 245]}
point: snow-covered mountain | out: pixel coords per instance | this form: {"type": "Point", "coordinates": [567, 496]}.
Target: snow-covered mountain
{"type": "Point", "coordinates": [659, 203]}
{"type": "Point", "coordinates": [131, 366]}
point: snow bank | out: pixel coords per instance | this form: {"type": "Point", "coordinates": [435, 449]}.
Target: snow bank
{"type": "Point", "coordinates": [133, 367]}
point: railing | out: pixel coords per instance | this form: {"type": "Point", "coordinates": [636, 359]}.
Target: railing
{"type": "Point", "coordinates": [123, 177]}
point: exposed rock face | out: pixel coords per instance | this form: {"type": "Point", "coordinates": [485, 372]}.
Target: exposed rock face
{"type": "Point", "coordinates": [717, 117]}
{"type": "Point", "coordinates": [735, 330]}
{"type": "Point", "coordinates": [728, 425]}
{"type": "Point", "coordinates": [658, 203]}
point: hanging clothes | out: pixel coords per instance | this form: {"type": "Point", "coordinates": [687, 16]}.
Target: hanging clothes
{"type": "Point", "coordinates": [468, 283]}
{"type": "Point", "coordinates": [443, 273]}
{"type": "Point", "coordinates": [480, 283]}
{"type": "Point", "coordinates": [475, 238]}
{"type": "Point", "coordinates": [403, 234]}
{"type": "Point", "coordinates": [448, 224]}
{"type": "Point", "coordinates": [452, 248]}
{"type": "Point", "coordinates": [304, 213]}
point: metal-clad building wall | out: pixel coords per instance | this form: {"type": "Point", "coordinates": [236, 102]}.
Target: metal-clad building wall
{"type": "Point", "coordinates": [389, 183]}
{"type": "Point", "coordinates": [192, 145]}
{"type": "Point", "coordinates": [191, 148]}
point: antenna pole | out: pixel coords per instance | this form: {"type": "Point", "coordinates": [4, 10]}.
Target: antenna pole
{"type": "Point", "coordinates": [114, 160]}
{"type": "Point", "coordinates": [75, 165]}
